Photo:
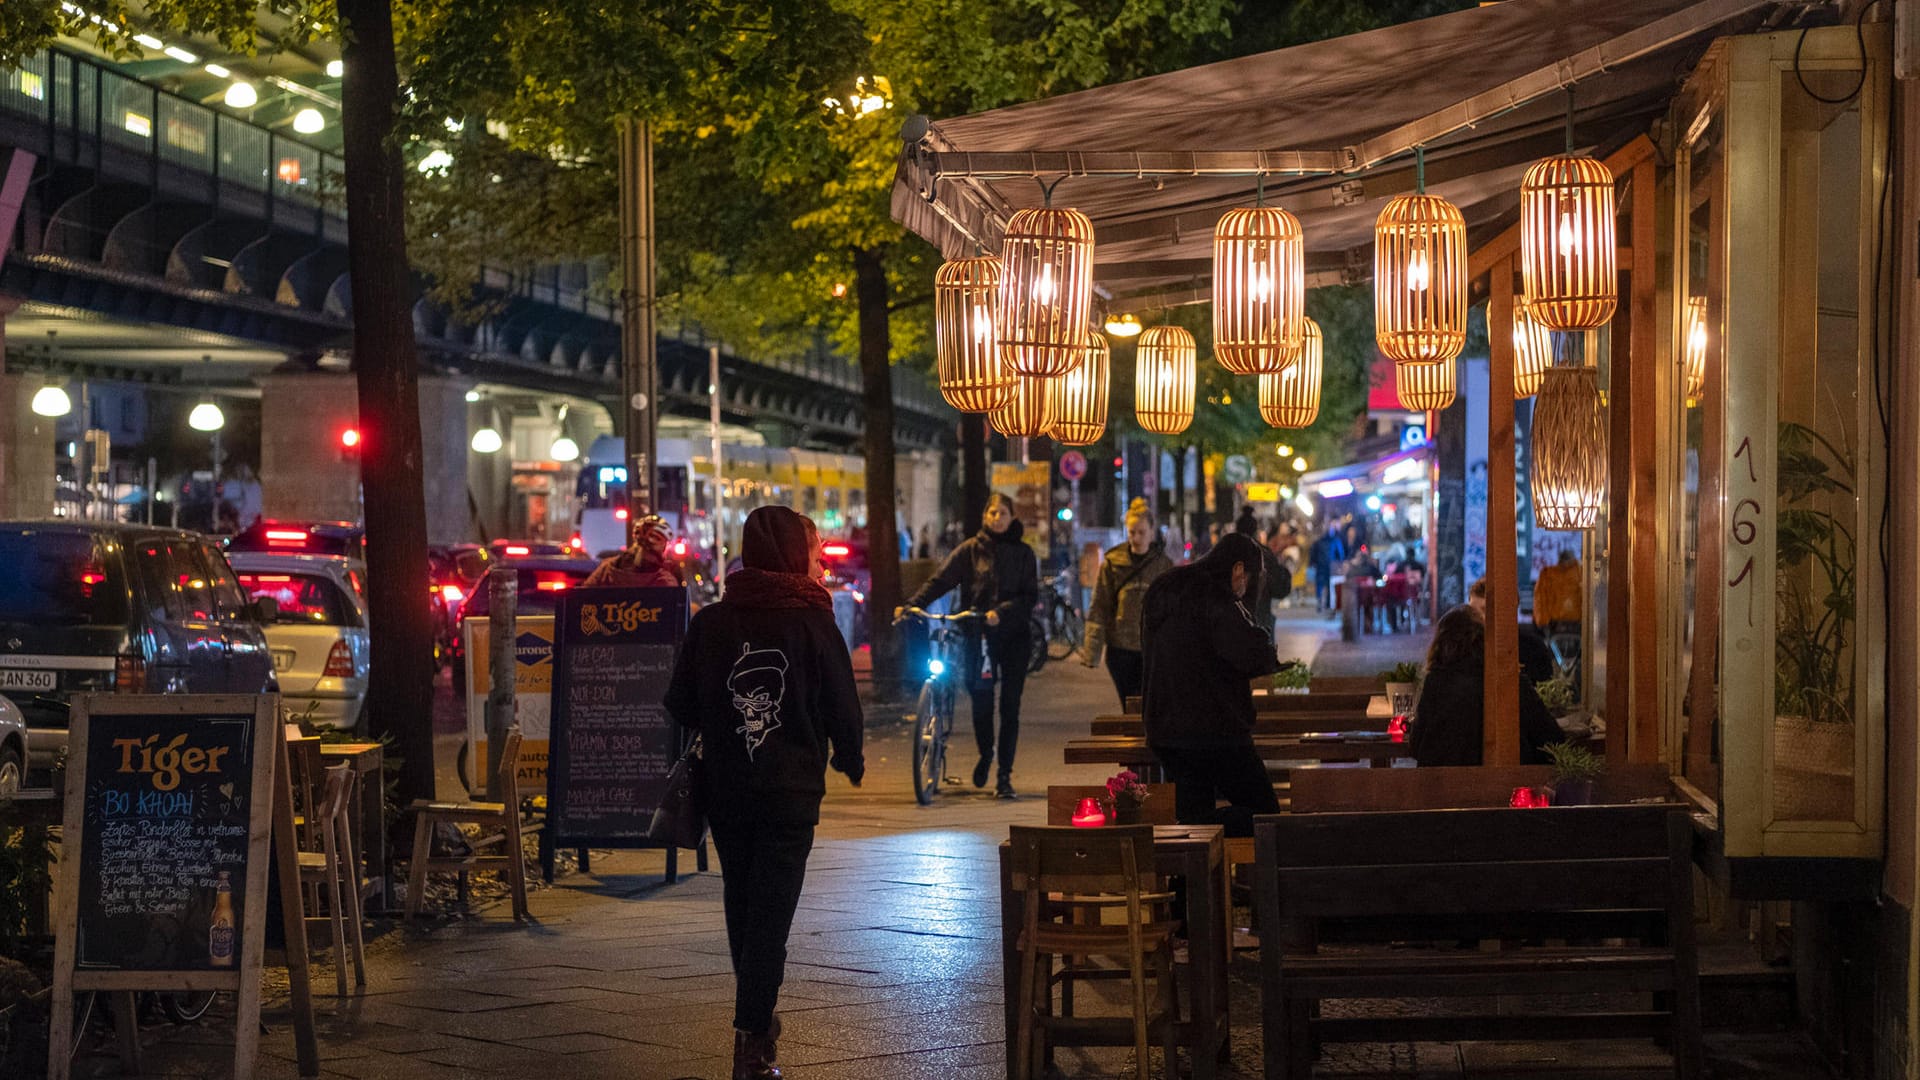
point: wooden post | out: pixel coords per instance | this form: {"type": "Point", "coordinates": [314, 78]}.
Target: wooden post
{"type": "Point", "coordinates": [1643, 621]}
{"type": "Point", "coordinates": [1622, 381]}
{"type": "Point", "coordinates": [293, 911]}
{"type": "Point", "coordinates": [1500, 732]}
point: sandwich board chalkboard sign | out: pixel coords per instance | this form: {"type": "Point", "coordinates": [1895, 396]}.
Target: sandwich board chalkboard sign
{"type": "Point", "coordinates": [170, 805]}
{"type": "Point", "coordinates": [612, 740]}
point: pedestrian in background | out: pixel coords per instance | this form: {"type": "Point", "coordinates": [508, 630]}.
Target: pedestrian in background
{"type": "Point", "coordinates": [1447, 725]}
{"type": "Point", "coordinates": [998, 576]}
{"type": "Point", "coordinates": [765, 678]}
{"type": "Point", "coordinates": [1326, 551]}
{"type": "Point", "coordinates": [1114, 618]}
{"type": "Point", "coordinates": [1202, 650]}
{"type": "Point", "coordinates": [1276, 583]}
{"type": "Point", "coordinates": [644, 564]}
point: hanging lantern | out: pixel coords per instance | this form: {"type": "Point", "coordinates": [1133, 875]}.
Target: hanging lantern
{"type": "Point", "coordinates": [966, 312]}
{"type": "Point", "coordinates": [1425, 387]}
{"type": "Point", "coordinates": [1567, 253]}
{"type": "Point", "coordinates": [1420, 280]}
{"type": "Point", "coordinates": [1078, 399]}
{"type": "Point", "coordinates": [1259, 289]}
{"type": "Point", "coordinates": [1695, 368]}
{"type": "Point", "coordinates": [1163, 380]}
{"type": "Point", "coordinates": [1569, 450]}
{"type": "Point", "coordinates": [1046, 290]}
{"type": "Point", "coordinates": [1532, 350]}
{"type": "Point", "coordinates": [1290, 398]}
{"type": "Point", "coordinates": [1026, 412]}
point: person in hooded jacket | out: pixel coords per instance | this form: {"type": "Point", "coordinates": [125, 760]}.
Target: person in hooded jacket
{"type": "Point", "coordinates": [1203, 650]}
{"type": "Point", "coordinates": [1448, 717]}
{"type": "Point", "coordinates": [644, 564]}
{"type": "Point", "coordinates": [765, 678]}
{"type": "Point", "coordinates": [1120, 598]}
{"type": "Point", "coordinates": [997, 574]}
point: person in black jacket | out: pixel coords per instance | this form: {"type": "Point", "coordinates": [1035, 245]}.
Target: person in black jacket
{"type": "Point", "coordinates": [765, 678]}
{"type": "Point", "coordinates": [997, 574]}
{"type": "Point", "coordinates": [1203, 650]}
{"type": "Point", "coordinates": [1276, 585]}
{"type": "Point", "coordinates": [1448, 724]}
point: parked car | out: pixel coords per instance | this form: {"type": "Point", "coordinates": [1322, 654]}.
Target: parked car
{"type": "Point", "coordinates": [542, 580]}
{"type": "Point", "coordinates": [530, 549]}
{"type": "Point", "coordinates": [848, 579]}
{"type": "Point", "coordinates": [318, 636]}
{"type": "Point", "coordinates": [94, 606]}
{"type": "Point", "coordinates": [342, 538]}
{"type": "Point", "coordinates": [13, 748]}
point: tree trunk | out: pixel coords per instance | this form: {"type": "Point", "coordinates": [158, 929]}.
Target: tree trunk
{"type": "Point", "coordinates": [973, 469]}
{"type": "Point", "coordinates": [883, 543]}
{"type": "Point", "coordinates": [400, 678]}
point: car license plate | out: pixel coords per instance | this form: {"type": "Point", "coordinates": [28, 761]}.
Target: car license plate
{"type": "Point", "coordinates": [283, 659]}
{"type": "Point", "coordinates": [17, 679]}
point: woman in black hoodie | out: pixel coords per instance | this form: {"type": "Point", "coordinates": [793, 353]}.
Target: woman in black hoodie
{"type": "Point", "coordinates": [1448, 724]}
{"type": "Point", "coordinates": [998, 575]}
{"type": "Point", "coordinates": [1203, 650]}
{"type": "Point", "coordinates": [764, 676]}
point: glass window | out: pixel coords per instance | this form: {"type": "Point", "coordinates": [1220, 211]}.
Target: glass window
{"type": "Point", "coordinates": [230, 601]}
{"type": "Point", "coordinates": [59, 577]}
{"type": "Point", "coordinates": [309, 599]}
{"type": "Point", "coordinates": [1699, 191]}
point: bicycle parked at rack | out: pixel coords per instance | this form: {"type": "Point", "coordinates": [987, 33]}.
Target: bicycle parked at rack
{"type": "Point", "coordinates": [934, 710]}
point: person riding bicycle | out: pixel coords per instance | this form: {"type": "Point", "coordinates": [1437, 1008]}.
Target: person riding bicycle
{"type": "Point", "coordinates": [1119, 598]}
{"type": "Point", "coordinates": [644, 564]}
{"type": "Point", "coordinates": [998, 576]}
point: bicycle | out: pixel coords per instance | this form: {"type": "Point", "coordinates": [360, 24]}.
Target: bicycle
{"type": "Point", "coordinates": [1066, 631]}
{"type": "Point", "coordinates": [933, 712]}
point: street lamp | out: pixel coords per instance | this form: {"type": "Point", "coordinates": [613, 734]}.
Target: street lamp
{"type": "Point", "coordinates": [564, 450]}
{"type": "Point", "coordinates": [241, 95]}
{"type": "Point", "coordinates": [206, 416]}
{"type": "Point", "coordinates": [309, 122]}
{"type": "Point", "coordinates": [487, 441]}
{"type": "Point", "coordinates": [51, 400]}
{"type": "Point", "coordinates": [1299, 464]}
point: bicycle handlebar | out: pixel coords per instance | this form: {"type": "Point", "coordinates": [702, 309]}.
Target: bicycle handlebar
{"type": "Point", "coordinates": [918, 613]}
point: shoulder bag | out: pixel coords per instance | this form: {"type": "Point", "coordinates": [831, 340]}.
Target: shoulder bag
{"type": "Point", "coordinates": [681, 820]}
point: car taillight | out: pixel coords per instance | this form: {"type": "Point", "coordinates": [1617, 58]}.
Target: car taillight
{"type": "Point", "coordinates": [552, 586]}
{"type": "Point", "coordinates": [679, 548]}
{"type": "Point", "coordinates": [576, 543]}
{"type": "Point", "coordinates": [518, 550]}
{"type": "Point", "coordinates": [339, 662]}
{"type": "Point", "coordinates": [129, 674]}
{"type": "Point", "coordinates": [836, 551]}
{"type": "Point", "coordinates": [453, 594]}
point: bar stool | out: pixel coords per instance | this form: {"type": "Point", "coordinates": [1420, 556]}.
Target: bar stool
{"type": "Point", "coordinates": [334, 872]}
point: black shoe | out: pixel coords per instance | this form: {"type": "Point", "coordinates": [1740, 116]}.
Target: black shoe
{"type": "Point", "coordinates": [1004, 789]}
{"type": "Point", "coordinates": [980, 772]}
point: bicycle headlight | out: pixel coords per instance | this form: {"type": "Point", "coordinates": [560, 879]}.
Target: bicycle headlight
{"type": "Point", "coordinates": [937, 666]}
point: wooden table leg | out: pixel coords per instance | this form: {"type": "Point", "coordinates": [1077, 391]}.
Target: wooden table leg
{"type": "Point", "coordinates": [1206, 961]}
{"type": "Point", "coordinates": [372, 829]}
{"type": "Point", "coordinates": [1009, 960]}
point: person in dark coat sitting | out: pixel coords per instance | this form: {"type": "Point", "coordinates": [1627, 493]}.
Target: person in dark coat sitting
{"type": "Point", "coordinates": [1447, 725]}
{"type": "Point", "coordinates": [1202, 650]}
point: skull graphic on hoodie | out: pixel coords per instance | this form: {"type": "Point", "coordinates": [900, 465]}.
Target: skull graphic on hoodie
{"type": "Point", "coordinates": [758, 684]}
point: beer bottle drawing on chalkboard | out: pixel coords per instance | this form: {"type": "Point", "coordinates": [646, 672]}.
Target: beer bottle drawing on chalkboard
{"type": "Point", "coordinates": [220, 936]}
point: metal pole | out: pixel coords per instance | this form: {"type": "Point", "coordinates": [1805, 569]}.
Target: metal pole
{"type": "Point", "coordinates": [638, 365]}
{"type": "Point", "coordinates": [83, 456]}
{"type": "Point", "coordinates": [504, 584]}
{"type": "Point", "coordinates": [719, 472]}
{"type": "Point", "coordinates": [213, 515]}
{"type": "Point", "coordinates": [153, 481]}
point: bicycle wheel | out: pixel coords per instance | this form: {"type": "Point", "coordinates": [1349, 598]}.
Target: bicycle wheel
{"type": "Point", "coordinates": [1067, 633]}
{"type": "Point", "coordinates": [1037, 632]}
{"type": "Point", "coordinates": [186, 1006]}
{"type": "Point", "coordinates": [929, 744]}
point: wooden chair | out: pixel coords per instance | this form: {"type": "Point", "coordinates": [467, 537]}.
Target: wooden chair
{"type": "Point", "coordinates": [335, 873]}
{"type": "Point", "coordinates": [1058, 874]}
{"type": "Point", "coordinates": [498, 847]}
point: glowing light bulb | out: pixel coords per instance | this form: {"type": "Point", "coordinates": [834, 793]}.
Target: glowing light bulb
{"type": "Point", "coordinates": [51, 401]}
{"type": "Point", "coordinates": [242, 95]}
{"type": "Point", "coordinates": [1569, 239]}
{"type": "Point", "coordinates": [1697, 338]}
{"type": "Point", "coordinates": [206, 416]}
{"type": "Point", "coordinates": [1044, 289]}
{"type": "Point", "coordinates": [1262, 284]}
{"type": "Point", "coordinates": [309, 122]}
{"type": "Point", "coordinates": [487, 441]}
{"type": "Point", "coordinates": [982, 324]}
{"type": "Point", "coordinates": [1418, 272]}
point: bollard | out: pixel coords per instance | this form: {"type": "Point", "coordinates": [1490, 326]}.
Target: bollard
{"type": "Point", "coordinates": [504, 582]}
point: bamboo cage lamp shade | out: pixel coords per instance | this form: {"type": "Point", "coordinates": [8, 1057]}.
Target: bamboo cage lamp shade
{"type": "Point", "coordinates": [966, 314]}
{"type": "Point", "coordinates": [1163, 380]}
{"type": "Point", "coordinates": [1420, 280]}
{"type": "Point", "coordinates": [1426, 387]}
{"type": "Point", "coordinates": [1569, 450]}
{"type": "Point", "coordinates": [1046, 290]}
{"type": "Point", "coordinates": [1259, 289]}
{"type": "Point", "coordinates": [1078, 399]}
{"type": "Point", "coordinates": [1568, 257]}
{"type": "Point", "coordinates": [1290, 397]}
{"type": "Point", "coordinates": [1532, 351]}
{"type": "Point", "coordinates": [1026, 413]}
{"type": "Point", "coordinates": [1695, 362]}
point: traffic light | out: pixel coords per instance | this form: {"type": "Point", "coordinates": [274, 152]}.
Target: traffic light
{"type": "Point", "coordinates": [349, 444]}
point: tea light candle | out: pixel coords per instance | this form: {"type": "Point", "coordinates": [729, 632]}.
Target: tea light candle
{"type": "Point", "coordinates": [1089, 815]}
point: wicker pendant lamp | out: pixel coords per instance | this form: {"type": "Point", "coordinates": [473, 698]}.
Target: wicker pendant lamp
{"type": "Point", "coordinates": [1569, 450]}
{"type": "Point", "coordinates": [1026, 412]}
{"type": "Point", "coordinates": [1046, 290]}
{"type": "Point", "coordinates": [1078, 400]}
{"type": "Point", "coordinates": [1695, 362]}
{"type": "Point", "coordinates": [1290, 398]}
{"type": "Point", "coordinates": [1532, 350]}
{"type": "Point", "coordinates": [1259, 289]}
{"type": "Point", "coordinates": [966, 315]}
{"type": "Point", "coordinates": [1420, 276]}
{"type": "Point", "coordinates": [1425, 387]}
{"type": "Point", "coordinates": [1163, 380]}
{"type": "Point", "coordinates": [1568, 258]}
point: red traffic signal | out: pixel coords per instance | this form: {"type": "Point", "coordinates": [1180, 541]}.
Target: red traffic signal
{"type": "Point", "coordinates": [350, 438]}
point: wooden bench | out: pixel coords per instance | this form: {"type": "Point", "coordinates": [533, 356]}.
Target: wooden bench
{"type": "Point", "coordinates": [1264, 723]}
{"type": "Point", "coordinates": [1478, 786]}
{"type": "Point", "coordinates": [1372, 880]}
{"type": "Point", "coordinates": [1132, 751]}
{"type": "Point", "coordinates": [1264, 700]}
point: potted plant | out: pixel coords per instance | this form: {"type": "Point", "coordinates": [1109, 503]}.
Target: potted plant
{"type": "Point", "coordinates": [1574, 769]}
{"type": "Point", "coordinates": [1556, 694]}
{"type": "Point", "coordinates": [1293, 678]}
{"type": "Point", "coordinates": [1814, 595]}
{"type": "Point", "coordinates": [1402, 687]}
{"type": "Point", "coordinates": [1126, 792]}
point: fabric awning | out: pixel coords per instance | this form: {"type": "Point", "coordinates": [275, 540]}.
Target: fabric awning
{"type": "Point", "coordinates": [1122, 147]}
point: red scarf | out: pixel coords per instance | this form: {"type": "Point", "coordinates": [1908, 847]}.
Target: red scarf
{"type": "Point", "coordinates": [771, 589]}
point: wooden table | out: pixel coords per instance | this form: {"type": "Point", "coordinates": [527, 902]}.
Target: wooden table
{"type": "Point", "coordinates": [38, 812]}
{"type": "Point", "coordinates": [368, 815]}
{"type": "Point", "coordinates": [1375, 748]}
{"type": "Point", "coordinates": [1197, 853]}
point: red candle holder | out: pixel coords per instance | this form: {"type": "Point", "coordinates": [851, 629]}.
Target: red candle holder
{"type": "Point", "coordinates": [1522, 798]}
{"type": "Point", "coordinates": [1089, 815]}
{"type": "Point", "coordinates": [1397, 729]}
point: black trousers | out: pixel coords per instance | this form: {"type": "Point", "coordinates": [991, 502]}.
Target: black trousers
{"type": "Point", "coordinates": [1009, 655]}
{"type": "Point", "coordinates": [762, 866]}
{"type": "Point", "coordinates": [1203, 775]}
{"type": "Point", "coordinates": [1127, 669]}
